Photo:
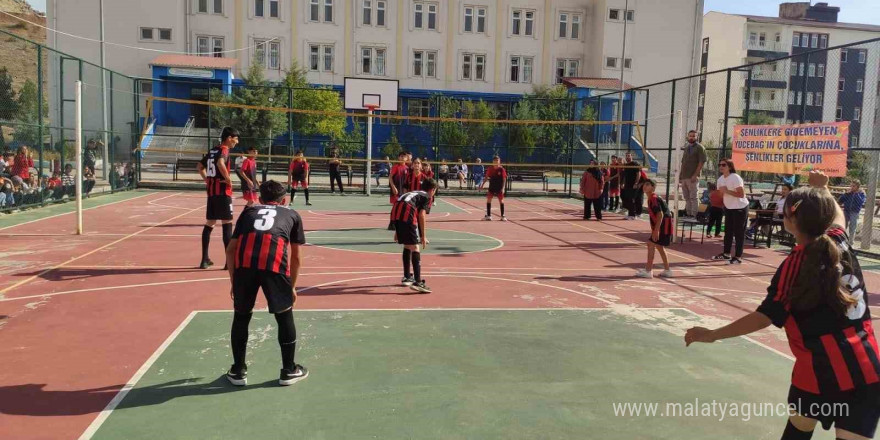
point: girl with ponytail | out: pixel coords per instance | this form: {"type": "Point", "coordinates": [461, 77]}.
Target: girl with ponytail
{"type": "Point", "coordinates": [819, 297]}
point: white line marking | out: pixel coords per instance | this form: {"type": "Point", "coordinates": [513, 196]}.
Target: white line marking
{"type": "Point", "coordinates": [71, 212]}
{"type": "Point", "coordinates": [390, 241]}
{"type": "Point", "coordinates": [448, 202]}
{"type": "Point", "coordinates": [99, 420]}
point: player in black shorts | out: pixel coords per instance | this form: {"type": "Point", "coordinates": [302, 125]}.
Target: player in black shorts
{"type": "Point", "coordinates": [259, 259]}
{"type": "Point", "coordinates": [496, 175]}
{"type": "Point", "coordinates": [214, 169]}
{"type": "Point", "coordinates": [819, 296]}
{"type": "Point", "coordinates": [410, 230]}
{"type": "Point", "coordinates": [661, 231]}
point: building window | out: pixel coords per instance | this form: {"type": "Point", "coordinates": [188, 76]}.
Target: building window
{"type": "Point", "coordinates": [521, 69]}
{"type": "Point", "coordinates": [164, 34]}
{"type": "Point", "coordinates": [419, 107]}
{"type": "Point", "coordinates": [823, 41]}
{"type": "Point", "coordinates": [774, 66]}
{"type": "Point", "coordinates": [566, 68]}
{"type": "Point", "coordinates": [863, 55]}
{"type": "Point", "coordinates": [425, 63]}
{"type": "Point", "coordinates": [274, 55]}
{"type": "Point", "coordinates": [753, 39]}
{"type": "Point", "coordinates": [468, 19]}
{"type": "Point", "coordinates": [321, 57]}
{"type": "Point", "coordinates": [859, 85]}
{"type": "Point", "coordinates": [811, 71]}
{"type": "Point", "coordinates": [328, 11]}
{"type": "Point", "coordinates": [630, 15]}
{"type": "Point", "coordinates": [794, 68]}
{"type": "Point", "coordinates": [821, 72]}
{"type": "Point", "coordinates": [473, 67]}
{"type": "Point", "coordinates": [466, 66]}
{"type": "Point", "coordinates": [627, 63]}
{"type": "Point", "coordinates": [258, 8]}
{"type": "Point", "coordinates": [814, 41]}
{"type": "Point", "coordinates": [839, 115]}
{"type": "Point", "coordinates": [203, 6]}
{"type": "Point", "coordinates": [762, 39]}
{"type": "Point", "coordinates": [757, 95]}
{"type": "Point", "coordinates": [481, 20]}
{"type": "Point", "coordinates": [855, 141]}
{"type": "Point", "coordinates": [563, 25]}
{"type": "Point", "coordinates": [702, 99]}
{"type": "Point", "coordinates": [805, 40]}
{"type": "Point", "coordinates": [809, 98]}
{"type": "Point", "coordinates": [857, 114]}
{"type": "Point", "coordinates": [475, 14]}
{"type": "Point", "coordinates": [818, 101]}
{"type": "Point", "coordinates": [801, 69]}
{"type": "Point", "coordinates": [614, 14]}
{"type": "Point", "coordinates": [790, 97]}
{"type": "Point", "coordinates": [367, 12]}
{"type": "Point", "coordinates": [274, 9]}
{"type": "Point", "coordinates": [432, 17]}
{"type": "Point", "coordinates": [373, 61]}
{"type": "Point", "coordinates": [705, 45]}
{"type": "Point", "coordinates": [569, 25]}
{"type": "Point", "coordinates": [610, 63]}
{"type": "Point", "coordinates": [420, 9]}
{"type": "Point", "coordinates": [800, 98]}
{"type": "Point", "coordinates": [796, 39]}
{"type": "Point", "coordinates": [778, 37]}
{"type": "Point", "coordinates": [146, 33]}
{"type": "Point", "coordinates": [217, 43]}
{"type": "Point", "coordinates": [523, 22]}
{"type": "Point", "coordinates": [575, 26]}
{"type": "Point", "coordinates": [259, 55]}
{"type": "Point", "coordinates": [841, 85]}
{"type": "Point", "coordinates": [314, 9]}
{"type": "Point", "coordinates": [843, 55]}
{"type": "Point", "coordinates": [773, 95]}
{"type": "Point", "coordinates": [480, 67]}
{"type": "Point", "coordinates": [380, 13]}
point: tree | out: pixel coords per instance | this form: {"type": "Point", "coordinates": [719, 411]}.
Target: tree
{"type": "Point", "coordinates": [760, 118]}
{"type": "Point", "coordinates": [8, 103]}
{"type": "Point", "coordinates": [392, 147]}
{"type": "Point", "coordinates": [523, 138]}
{"type": "Point", "coordinates": [453, 136]}
{"type": "Point", "coordinates": [478, 133]}
{"type": "Point", "coordinates": [28, 115]}
{"type": "Point", "coordinates": [350, 141]}
{"type": "Point", "coordinates": [306, 97]}
{"type": "Point", "coordinates": [257, 126]}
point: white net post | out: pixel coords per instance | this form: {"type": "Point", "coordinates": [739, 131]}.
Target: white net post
{"type": "Point", "coordinates": [369, 150]}
{"type": "Point", "coordinates": [78, 152]}
{"type": "Point", "coordinates": [676, 164]}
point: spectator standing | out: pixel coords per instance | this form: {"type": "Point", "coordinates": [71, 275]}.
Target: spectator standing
{"type": "Point", "coordinates": [591, 186]}
{"type": "Point", "coordinates": [23, 163]}
{"type": "Point", "coordinates": [335, 174]}
{"type": "Point", "coordinates": [614, 184]}
{"type": "Point", "coordinates": [606, 174]}
{"type": "Point", "coordinates": [478, 173]}
{"type": "Point", "coordinates": [631, 188]}
{"type": "Point", "coordinates": [852, 203]}
{"type": "Point", "coordinates": [736, 207]}
{"type": "Point", "coordinates": [693, 159]}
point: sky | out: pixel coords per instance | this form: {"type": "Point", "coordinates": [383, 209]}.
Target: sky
{"type": "Point", "coordinates": [851, 11]}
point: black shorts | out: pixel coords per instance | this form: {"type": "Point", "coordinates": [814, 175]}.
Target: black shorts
{"type": "Point", "coordinates": [664, 240]}
{"type": "Point", "coordinates": [856, 411]}
{"type": "Point", "coordinates": [277, 289]}
{"type": "Point", "coordinates": [219, 208]}
{"type": "Point", "coordinates": [407, 233]}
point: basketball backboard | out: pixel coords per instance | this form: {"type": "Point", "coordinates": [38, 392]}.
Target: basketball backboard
{"type": "Point", "coordinates": [365, 93]}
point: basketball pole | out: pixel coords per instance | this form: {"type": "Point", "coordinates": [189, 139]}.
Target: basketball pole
{"type": "Point", "coordinates": [369, 149]}
{"type": "Point", "coordinates": [78, 152]}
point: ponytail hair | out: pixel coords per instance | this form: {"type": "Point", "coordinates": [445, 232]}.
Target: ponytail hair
{"type": "Point", "coordinates": [818, 282]}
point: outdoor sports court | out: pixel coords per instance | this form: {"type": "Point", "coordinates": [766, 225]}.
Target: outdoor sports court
{"type": "Point", "coordinates": [535, 328]}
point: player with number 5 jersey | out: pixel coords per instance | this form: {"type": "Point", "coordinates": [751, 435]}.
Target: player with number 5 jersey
{"type": "Point", "coordinates": [214, 169]}
{"type": "Point", "coordinates": [259, 259]}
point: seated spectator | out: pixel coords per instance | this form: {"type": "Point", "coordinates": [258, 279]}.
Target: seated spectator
{"type": "Point", "coordinates": [478, 173]}
{"type": "Point", "coordinates": [6, 190]}
{"type": "Point", "coordinates": [89, 155]}
{"type": "Point", "coordinates": [777, 213]}
{"type": "Point", "coordinates": [383, 171]}
{"type": "Point", "coordinates": [6, 162]}
{"type": "Point", "coordinates": [55, 185]}
{"type": "Point", "coordinates": [461, 173]}
{"type": "Point", "coordinates": [852, 203]}
{"type": "Point", "coordinates": [88, 180]}
{"type": "Point", "coordinates": [67, 180]}
{"type": "Point", "coordinates": [443, 173]}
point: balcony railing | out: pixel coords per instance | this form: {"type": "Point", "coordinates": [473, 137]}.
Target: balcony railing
{"type": "Point", "coordinates": [770, 46]}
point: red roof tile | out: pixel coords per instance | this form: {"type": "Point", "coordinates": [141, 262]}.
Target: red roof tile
{"type": "Point", "coordinates": [171, 60]}
{"type": "Point", "coordinates": [595, 83]}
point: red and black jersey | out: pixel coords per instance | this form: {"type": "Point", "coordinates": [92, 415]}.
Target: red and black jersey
{"type": "Point", "coordinates": [833, 353]}
{"type": "Point", "coordinates": [614, 178]}
{"type": "Point", "coordinates": [249, 169]}
{"type": "Point", "coordinates": [263, 233]}
{"type": "Point", "coordinates": [215, 184]}
{"type": "Point", "coordinates": [497, 176]}
{"type": "Point", "coordinates": [299, 170]}
{"type": "Point", "coordinates": [407, 207]}
{"type": "Point", "coordinates": [414, 181]}
{"type": "Point", "coordinates": [399, 175]}
{"type": "Point", "coordinates": [428, 173]}
{"type": "Point", "coordinates": [656, 208]}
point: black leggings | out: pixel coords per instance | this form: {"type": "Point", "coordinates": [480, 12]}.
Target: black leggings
{"type": "Point", "coordinates": [632, 201]}
{"type": "Point", "coordinates": [336, 177]}
{"type": "Point", "coordinates": [596, 204]}
{"type": "Point", "coordinates": [715, 216]}
{"type": "Point", "coordinates": [735, 228]}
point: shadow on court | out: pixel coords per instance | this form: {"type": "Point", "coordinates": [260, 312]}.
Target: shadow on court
{"type": "Point", "coordinates": [64, 274]}
{"type": "Point", "coordinates": [35, 400]}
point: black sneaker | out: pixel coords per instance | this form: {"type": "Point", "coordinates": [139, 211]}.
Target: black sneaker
{"type": "Point", "coordinates": [308, 203]}
{"type": "Point", "coordinates": [735, 260]}
{"type": "Point", "coordinates": [721, 257]}
{"type": "Point", "coordinates": [407, 281]}
{"type": "Point", "coordinates": [238, 379]}
{"type": "Point", "coordinates": [420, 287]}
{"type": "Point", "coordinates": [206, 264]}
{"type": "Point", "coordinates": [290, 377]}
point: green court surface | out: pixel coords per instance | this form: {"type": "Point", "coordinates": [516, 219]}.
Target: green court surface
{"type": "Point", "coordinates": [96, 200]}
{"type": "Point", "coordinates": [379, 240]}
{"type": "Point", "coordinates": [453, 374]}
{"type": "Point", "coordinates": [360, 203]}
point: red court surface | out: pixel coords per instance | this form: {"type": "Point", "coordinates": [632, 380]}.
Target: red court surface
{"type": "Point", "coordinates": [79, 315]}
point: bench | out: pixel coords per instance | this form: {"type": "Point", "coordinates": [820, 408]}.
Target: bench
{"type": "Point", "coordinates": [187, 165]}
{"type": "Point", "coordinates": [526, 175]}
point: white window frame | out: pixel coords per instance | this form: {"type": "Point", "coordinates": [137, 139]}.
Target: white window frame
{"type": "Point", "coordinates": [424, 8]}
{"type": "Point", "coordinates": [796, 39]}
{"type": "Point", "coordinates": [791, 97]}
{"type": "Point", "coordinates": [374, 58]}
{"type": "Point", "coordinates": [794, 68]}
{"type": "Point", "coordinates": [565, 28]}
{"type": "Point", "coordinates": [778, 37]}
{"type": "Point", "coordinates": [141, 34]}
{"type": "Point", "coordinates": [630, 15]}
{"type": "Point", "coordinates": [819, 99]}
{"type": "Point", "coordinates": [863, 56]}
{"type": "Point", "coordinates": [814, 41]}
{"type": "Point", "coordinates": [170, 35]}
{"type": "Point", "coordinates": [273, 56]}
{"type": "Point", "coordinates": [316, 11]}
{"type": "Point", "coordinates": [811, 70]}
{"type": "Point", "coordinates": [424, 107]}
{"type": "Point", "coordinates": [524, 22]}
{"type": "Point", "coordinates": [525, 74]}
{"type": "Point", "coordinates": [214, 52]}
{"type": "Point", "coordinates": [756, 95]}
{"type": "Point", "coordinates": [367, 12]}
{"type": "Point", "coordinates": [260, 52]}
{"type": "Point", "coordinates": [762, 39]}
{"type": "Point", "coordinates": [577, 21]}
{"type": "Point", "coordinates": [210, 7]}
{"type": "Point", "coordinates": [565, 64]}
{"type": "Point", "coordinates": [627, 63]}
{"type": "Point", "coordinates": [469, 71]}
{"type": "Point", "coordinates": [478, 19]}
{"type": "Point", "coordinates": [321, 62]}
{"type": "Point", "coordinates": [854, 142]}
{"type": "Point", "coordinates": [841, 85]}
{"type": "Point", "coordinates": [821, 72]}
{"type": "Point", "coordinates": [805, 40]}
{"type": "Point", "coordinates": [423, 64]}
{"type": "Point", "coordinates": [328, 4]}
{"type": "Point", "coordinates": [860, 86]}
{"type": "Point", "coordinates": [612, 65]}
{"type": "Point", "coordinates": [262, 13]}
{"type": "Point", "coordinates": [613, 11]}
{"type": "Point", "coordinates": [381, 6]}
{"type": "Point", "coordinates": [469, 14]}
{"type": "Point", "coordinates": [838, 115]}
{"type": "Point", "coordinates": [277, 9]}
{"type": "Point", "coordinates": [857, 114]}
{"type": "Point", "coordinates": [810, 98]}
{"type": "Point", "coordinates": [562, 25]}
{"type": "Point", "coordinates": [844, 55]}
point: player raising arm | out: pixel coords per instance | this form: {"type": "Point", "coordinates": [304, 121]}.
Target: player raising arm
{"type": "Point", "coordinates": [258, 259]}
{"type": "Point", "coordinates": [214, 169]}
{"type": "Point", "coordinates": [818, 295]}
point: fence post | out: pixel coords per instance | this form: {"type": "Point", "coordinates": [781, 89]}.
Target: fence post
{"type": "Point", "coordinates": [437, 128]}
{"type": "Point", "coordinates": [803, 104]}
{"type": "Point", "coordinates": [209, 124]}
{"type": "Point", "coordinates": [647, 106]}
{"type": "Point", "coordinates": [868, 219]}
{"type": "Point", "coordinates": [289, 121]}
{"type": "Point", "coordinates": [726, 117]}
{"type": "Point", "coordinates": [748, 97]}
{"type": "Point", "coordinates": [669, 150]}
{"type": "Point", "coordinates": [40, 114]}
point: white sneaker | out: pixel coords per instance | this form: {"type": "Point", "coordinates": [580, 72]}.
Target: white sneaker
{"type": "Point", "coordinates": [666, 273]}
{"type": "Point", "coordinates": [642, 273]}
{"type": "Point", "coordinates": [503, 218]}
{"type": "Point", "coordinates": [487, 218]}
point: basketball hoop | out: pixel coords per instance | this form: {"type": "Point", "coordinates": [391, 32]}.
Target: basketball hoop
{"type": "Point", "coordinates": [371, 107]}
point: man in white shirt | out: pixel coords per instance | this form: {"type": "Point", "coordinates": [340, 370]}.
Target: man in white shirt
{"type": "Point", "coordinates": [462, 173]}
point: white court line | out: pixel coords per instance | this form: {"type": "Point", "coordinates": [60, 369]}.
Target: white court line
{"type": "Point", "coordinates": [499, 241]}
{"type": "Point", "coordinates": [71, 212]}
{"type": "Point", "coordinates": [117, 399]}
{"type": "Point", "coordinates": [342, 214]}
{"type": "Point", "coordinates": [445, 200]}
{"type": "Point", "coordinates": [99, 420]}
